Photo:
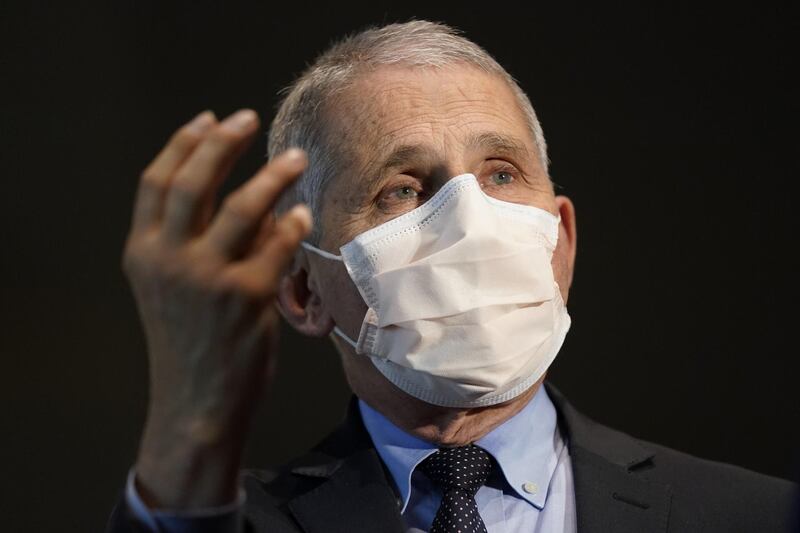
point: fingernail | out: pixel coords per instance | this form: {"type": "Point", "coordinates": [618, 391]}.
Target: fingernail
{"type": "Point", "coordinates": [295, 154]}
{"type": "Point", "coordinates": [201, 122]}
{"type": "Point", "coordinates": [241, 120]}
{"type": "Point", "coordinates": [303, 214]}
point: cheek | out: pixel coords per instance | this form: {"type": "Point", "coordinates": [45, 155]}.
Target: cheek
{"type": "Point", "coordinates": [534, 195]}
{"type": "Point", "coordinates": [341, 299]}
{"type": "Point", "coordinates": [340, 224]}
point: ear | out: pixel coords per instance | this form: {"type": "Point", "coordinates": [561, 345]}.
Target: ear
{"type": "Point", "coordinates": [566, 249]}
{"type": "Point", "coordinates": [299, 304]}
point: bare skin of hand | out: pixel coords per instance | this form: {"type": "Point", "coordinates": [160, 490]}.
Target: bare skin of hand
{"type": "Point", "coordinates": [205, 282]}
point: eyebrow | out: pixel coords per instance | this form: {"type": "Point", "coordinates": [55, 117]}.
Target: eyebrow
{"type": "Point", "coordinates": [404, 155]}
{"type": "Point", "coordinates": [499, 143]}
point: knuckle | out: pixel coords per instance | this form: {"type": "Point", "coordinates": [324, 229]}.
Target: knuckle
{"type": "Point", "coordinates": [287, 170]}
{"type": "Point", "coordinates": [291, 232]}
{"type": "Point", "coordinates": [246, 289]}
{"type": "Point", "coordinates": [185, 139]}
{"type": "Point", "coordinates": [151, 180]}
{"type": "Point", "coordinates": [276, 182]}
{"type": "Point", "coordinates": [283, 245]}
{"type": "Point", "coordinates": [149, 257]}
{"type": "Point", "coordinates": [271, 188]}
{"type": "Point", "coordinates": [240, 207]}
{"type": "Point", "coordinates": [184, 189]}
{"type": "Point", "coordinates": [136, 256]}
{"type": "Point", "coordinates": [150, 262]}
{"type": "Point", "coordinates": [254, 290]}
{"type": "Point", "coordinates": [222, 138]}
{"type": "Point", "coordinates": [236, 204]}
{"type": "Point", "coordinates": [179, 272]}
{"type": "Point", "coordinates": [282, 253]}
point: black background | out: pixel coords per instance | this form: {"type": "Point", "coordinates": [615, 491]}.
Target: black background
{"type": "Point", "coordinates": [673, 130]}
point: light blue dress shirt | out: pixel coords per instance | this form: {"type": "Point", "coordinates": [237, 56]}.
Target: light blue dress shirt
{"type": "Point", "coordinates": [532, 493]}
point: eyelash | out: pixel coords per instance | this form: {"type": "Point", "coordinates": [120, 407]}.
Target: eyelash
{"type": "Point", "coordinates": [411, 184]}
{"type": "Point", "coordinates": [497, 165]}
{"type": "Point", "coordinates": [504, 166]}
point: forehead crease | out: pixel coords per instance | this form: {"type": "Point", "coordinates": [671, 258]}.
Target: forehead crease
{"type": "Point", "coordinates": [424, 127]}
{"type": "Point", "coordinates": [396, 147]}
{"type": "Point", "coordinates": [498, 142]}
{"type": "Point", "coordinates": [394, 110]}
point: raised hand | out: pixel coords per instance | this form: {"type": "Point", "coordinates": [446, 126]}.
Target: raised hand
{"type": "Point", "coordinates": [205, 284]}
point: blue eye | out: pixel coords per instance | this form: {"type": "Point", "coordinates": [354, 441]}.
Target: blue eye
{"type": "Point", "coordinates": [502, 178]}
{"type": "Point", "coordinates": [405, 193]}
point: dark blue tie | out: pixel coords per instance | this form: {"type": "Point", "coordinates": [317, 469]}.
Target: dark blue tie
{"type": "Point", "coordinates": [459, 472]}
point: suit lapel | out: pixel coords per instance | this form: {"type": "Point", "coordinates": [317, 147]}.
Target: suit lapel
{"type": "Point", "coordinates": [356, 494]}
{"type": "Point", "coordinates": [355, 498]}
{"type": "Point", "coordinates": [612, 492]}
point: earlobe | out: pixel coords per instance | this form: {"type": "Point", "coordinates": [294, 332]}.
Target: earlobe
{"type": "Point", "coordinates": [302, 307]}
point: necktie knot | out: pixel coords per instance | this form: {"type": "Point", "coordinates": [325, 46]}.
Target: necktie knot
{"type": "Point", "coordinates": [465, 468]}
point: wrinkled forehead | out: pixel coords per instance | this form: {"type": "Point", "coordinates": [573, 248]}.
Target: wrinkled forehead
{"type": "Point", "coordinates": [440, 110]}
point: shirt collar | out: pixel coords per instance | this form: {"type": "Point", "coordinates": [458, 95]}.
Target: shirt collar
{"type": "Point", "coordinates": [400, 451]}
{"type": "Point", "coordinates": [526, 446]}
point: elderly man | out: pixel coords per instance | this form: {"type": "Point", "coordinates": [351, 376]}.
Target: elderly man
{"type": "Point", "coordinates": [439, 261]}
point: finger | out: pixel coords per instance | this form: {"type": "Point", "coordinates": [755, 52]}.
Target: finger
{"type": "Point", "coordinates": [263, 233]}
{"type": "Point", "coordinates": [155, 178]}
{"type": "Point", "coordinates": [243, 212]}
{"type": "Point", "coordinates": [196, 181]}
{"type": "Point", "coordinates": [262, 271]}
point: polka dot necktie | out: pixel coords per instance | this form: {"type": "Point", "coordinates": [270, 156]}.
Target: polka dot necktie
{"type": "Point", "coordinates": [459, 472]}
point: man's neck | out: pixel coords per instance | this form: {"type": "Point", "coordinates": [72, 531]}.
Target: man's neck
{"type": "Point", "coordinates": [446, 426]}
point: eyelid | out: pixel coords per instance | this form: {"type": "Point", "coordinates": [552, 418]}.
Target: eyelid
{"type": "Point", "coordinates": [400, 184]}
{"type": "Point", "coordinates": [504, 165]}
{"type": "Point", "coordinates": [499, 165]}
{"type": "Point", "coordinates": [384, 195]}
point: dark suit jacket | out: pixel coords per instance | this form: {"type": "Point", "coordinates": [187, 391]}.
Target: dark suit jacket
{"type": "Point", "coordinates": [622, 484]}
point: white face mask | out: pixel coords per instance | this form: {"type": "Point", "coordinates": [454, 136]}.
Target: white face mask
{"type": "Point", "coordinates": [463, 307]}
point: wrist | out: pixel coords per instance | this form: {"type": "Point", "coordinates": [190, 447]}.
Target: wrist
{"type": "Point", "coordinates": [189, 465]}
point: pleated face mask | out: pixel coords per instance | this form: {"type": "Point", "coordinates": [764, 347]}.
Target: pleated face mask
{"type": "Point", "coordinates": [464, 310]}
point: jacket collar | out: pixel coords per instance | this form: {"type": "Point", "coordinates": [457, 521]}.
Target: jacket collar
{"type": "Point", "coordinates": [356, 493]}
{"type": "Point", "coordinates": [612, 492]}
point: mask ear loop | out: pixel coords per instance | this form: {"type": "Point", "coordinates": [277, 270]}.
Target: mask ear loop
{"type": "Point", "coordinates": [334, 257]}
{"type": "Point", "coordinates": [320, 252]}
{"type": "Point", "coordinates": [345, 338]}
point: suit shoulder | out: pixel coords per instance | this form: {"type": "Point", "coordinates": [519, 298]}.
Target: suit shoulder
{"type": "Point", "coordinates": [705, 495]}
{"type": "Point", "coordinates": [683, 472]}
{"type": "Point", "coordinates": [276, 485]}
{"type": "Point", "coordinates": [722, 494]}
{"type": "Point", "coordinates": [682, 469]}
{"type": "Point", "coordinates": [268, 492]}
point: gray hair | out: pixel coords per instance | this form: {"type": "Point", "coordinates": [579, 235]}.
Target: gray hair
{"type": "Point", "coordinates": [300, 123]}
